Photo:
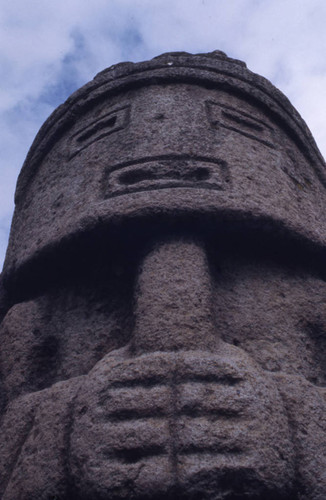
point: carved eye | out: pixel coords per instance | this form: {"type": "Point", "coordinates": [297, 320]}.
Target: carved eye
{"type": "Point", "coordinates": [98, 129]}
{"type": "Point", "coordinates": [243, 120]}
{"type": "Point", "coordinates": [109, 123]}
{"type": "Point", "coordinates": [220, 115]}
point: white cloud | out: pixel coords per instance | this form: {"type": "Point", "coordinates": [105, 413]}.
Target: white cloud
{"type": "Point", "coordinates": [47, 49]}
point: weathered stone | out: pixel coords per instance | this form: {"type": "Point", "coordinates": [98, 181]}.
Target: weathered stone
{"type": "Point", "coordinates": [163, 294]}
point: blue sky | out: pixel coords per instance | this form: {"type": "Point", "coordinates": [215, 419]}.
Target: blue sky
{"type": "Point", "coordinates": [50, 48]}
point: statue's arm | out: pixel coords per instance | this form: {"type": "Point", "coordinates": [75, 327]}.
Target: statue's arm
{"type": "Point", "coordinates": [34, 441]}
{"type": "Point", "coordinates": [305, 405]}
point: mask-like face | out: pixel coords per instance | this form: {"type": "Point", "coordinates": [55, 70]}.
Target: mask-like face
{"type": "Point", "coordinates": [166, 339]}
{"type": "Point", "coordinates": [166, 150]}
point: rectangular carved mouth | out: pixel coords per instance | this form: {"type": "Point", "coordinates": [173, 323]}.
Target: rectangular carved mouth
{"type": "Point", "coordinates": [164, 172]}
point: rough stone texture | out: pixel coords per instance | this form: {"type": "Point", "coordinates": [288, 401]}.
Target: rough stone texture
{"type": "Point", "coordinates": [163, 297]}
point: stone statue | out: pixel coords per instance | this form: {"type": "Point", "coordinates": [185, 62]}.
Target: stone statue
{"type": "Point", "coordinates": [163, 294]}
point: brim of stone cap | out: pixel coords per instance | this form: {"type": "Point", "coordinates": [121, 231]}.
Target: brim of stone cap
{"type": "Point", "coordinates": [214, 70]}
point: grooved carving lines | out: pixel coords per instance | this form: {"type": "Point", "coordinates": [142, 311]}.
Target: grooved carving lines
{"type": "Point", "coordinates": [221, 115]}
{"type": "Point", "coordinates": [103, 126]}
{"type": "Point", "coordinates": [176, 415]}
{"type": "Point", "coordinates": [165, 171]}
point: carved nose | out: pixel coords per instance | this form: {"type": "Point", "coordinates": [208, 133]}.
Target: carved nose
{"type": "Point", "coordinates": [173, 302]}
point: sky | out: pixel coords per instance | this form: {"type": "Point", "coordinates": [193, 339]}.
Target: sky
{"type": "Point", "coordinates": [50, 48]}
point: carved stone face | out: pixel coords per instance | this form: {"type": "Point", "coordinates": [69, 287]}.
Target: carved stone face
{"type": "Point", "coordinates": [166, 150]}
{"type": "Point", "coordinates": [166, 339]}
